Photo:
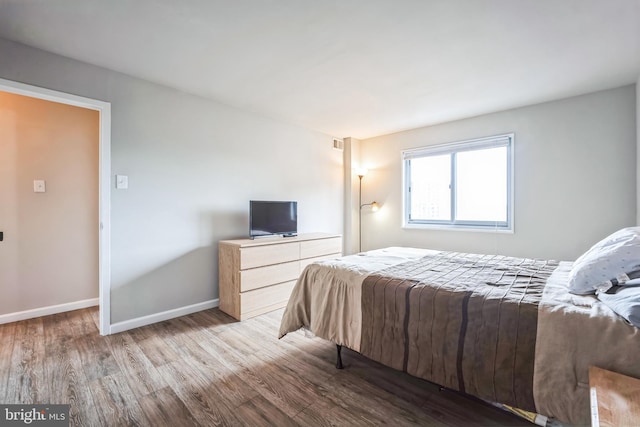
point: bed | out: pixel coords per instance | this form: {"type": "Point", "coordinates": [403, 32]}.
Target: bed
{"type": "Point", "coordinates": [503, 329]}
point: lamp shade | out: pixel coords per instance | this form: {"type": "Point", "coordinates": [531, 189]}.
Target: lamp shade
{"type": "Point", "coordinates": [361, 172]}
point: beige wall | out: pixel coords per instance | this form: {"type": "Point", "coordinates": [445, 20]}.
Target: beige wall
{"type": "Point", "coordinates": [49, 254]}
{"type": "Point", "coordinates": [193, 165]}
{"type": "Point", "coordinates": [575, 177]}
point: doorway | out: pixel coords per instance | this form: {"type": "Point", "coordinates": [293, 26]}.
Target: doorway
{"type": "Point", "coordinates": [103, 110]}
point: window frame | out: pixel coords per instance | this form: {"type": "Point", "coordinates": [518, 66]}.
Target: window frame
{"type": "Point", "coordinates": [502, 140]}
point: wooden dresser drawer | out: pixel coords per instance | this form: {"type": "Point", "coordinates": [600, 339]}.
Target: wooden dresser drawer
{"type": "Point", "coordinates": [260, 277]}
{"type": "Point", "coordinates": [307, 261]}
{"type": "Point", "coordinates": [265, 299]}
{"type": "Point", "coordinates": [269, 254]}
{"type": "Point", "coordinates": [319, 247]}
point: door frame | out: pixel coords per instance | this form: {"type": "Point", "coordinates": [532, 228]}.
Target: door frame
{"type": "Point", "coordinates": [104, 179]}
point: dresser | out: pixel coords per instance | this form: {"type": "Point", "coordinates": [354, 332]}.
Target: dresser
{"type": "Point", "coordinates": [257, 276]}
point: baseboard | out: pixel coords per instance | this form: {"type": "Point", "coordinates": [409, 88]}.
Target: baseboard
{"type": "Point", "coordinates": [164, 315]}
{"type": "Point", "coordinates": [45, 311]}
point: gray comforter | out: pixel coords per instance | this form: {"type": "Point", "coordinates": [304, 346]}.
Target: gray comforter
{"type": "Point", "coordinates": [466, 322]}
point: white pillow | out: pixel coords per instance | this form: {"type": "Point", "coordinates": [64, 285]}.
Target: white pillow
{"type": "Point", "coordinates": [612, 261]}
{"type": "Point", "coordinates": [625, 301]}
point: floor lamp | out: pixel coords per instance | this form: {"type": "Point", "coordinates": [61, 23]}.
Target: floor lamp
{"type": "Point", "coordinates": [374, 207]}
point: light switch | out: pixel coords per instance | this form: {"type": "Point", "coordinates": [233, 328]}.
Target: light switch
{"type": "Point", "coordinates": [122, 182]}
{"type": "Point", "coordinates": [38, 186]}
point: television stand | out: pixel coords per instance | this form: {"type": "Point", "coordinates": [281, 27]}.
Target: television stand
{"type": "Point", "coordinates": [273, 236]}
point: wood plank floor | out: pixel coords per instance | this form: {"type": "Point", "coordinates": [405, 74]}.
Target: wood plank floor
{"type": "Point", "coordinates": [207, 369]}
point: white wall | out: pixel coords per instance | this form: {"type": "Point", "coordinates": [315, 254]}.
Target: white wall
{"type": "Point", "coordinates": [638, 150]}
{"type": "Point", "coordinates": [193, 165]}
{"type": "Point", "coordinates": [575, 177]}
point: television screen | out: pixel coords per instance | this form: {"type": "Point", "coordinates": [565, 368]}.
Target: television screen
{"type": "Point", "coordinates": [267, 218]}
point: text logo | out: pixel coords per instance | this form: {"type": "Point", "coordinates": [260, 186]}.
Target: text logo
{"type": "Point", "coordinates": [34, 415]}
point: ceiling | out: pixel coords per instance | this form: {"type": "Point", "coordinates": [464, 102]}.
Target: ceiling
{"type": "Point", "coordinates": [356, 68]}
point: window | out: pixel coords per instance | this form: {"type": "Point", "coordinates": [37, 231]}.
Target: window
{"type": "Point", "coordinates": [462, 185]}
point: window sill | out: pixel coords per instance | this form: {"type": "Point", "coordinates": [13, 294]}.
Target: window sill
{"type": "Point", "coordinates": [448, 227]}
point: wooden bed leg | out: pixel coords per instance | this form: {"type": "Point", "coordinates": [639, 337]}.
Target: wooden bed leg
{"type": "Point", "coordinates": [339, 361]}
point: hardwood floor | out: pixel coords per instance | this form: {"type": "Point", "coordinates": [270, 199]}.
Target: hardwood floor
{"type": "Point", "coordinates": [207, 369]}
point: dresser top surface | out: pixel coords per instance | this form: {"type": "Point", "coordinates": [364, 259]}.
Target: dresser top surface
{"type": "Point", "coordinates": [278, 240]}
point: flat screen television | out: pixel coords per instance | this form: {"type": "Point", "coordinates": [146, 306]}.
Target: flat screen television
{"type": "Point", "coordinates": [268, 218]}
